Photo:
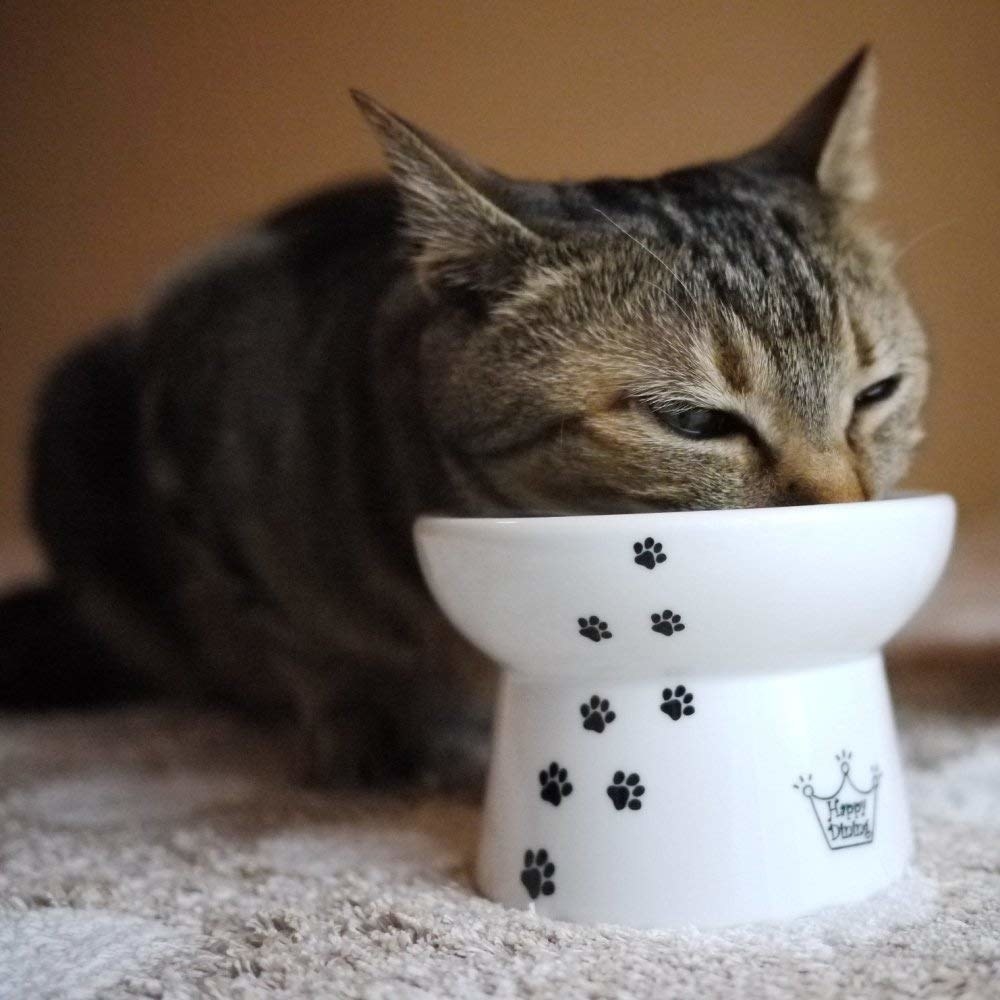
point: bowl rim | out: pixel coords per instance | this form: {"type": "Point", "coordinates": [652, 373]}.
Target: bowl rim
{"type": "Point", "coordinates": [678, 519]}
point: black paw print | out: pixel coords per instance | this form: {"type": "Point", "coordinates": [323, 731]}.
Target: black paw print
{"type": "Point", "coordinates": [555, 787]}
{"type": "Point", "coordinates": [677, 702]}
{"type": "Point", "coordinates": [626, 791]}
{"type": "Point", "coordinates": [668, 623]}
{"type": "Point", "coordinates": [596, 714]}
{"type": "Point", "coordinates": [649, 553]}
{"type": "Point", "coordinates": [537, 873]}
{"type": "Point", "coordinates": [593, 628]}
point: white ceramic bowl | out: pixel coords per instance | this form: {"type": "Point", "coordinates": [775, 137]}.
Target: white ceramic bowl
{"type": "Point", "coordinates": [694, 724]}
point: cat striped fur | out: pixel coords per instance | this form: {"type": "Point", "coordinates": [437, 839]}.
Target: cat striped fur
{"type": "Point", "coordinates": [726, 335]}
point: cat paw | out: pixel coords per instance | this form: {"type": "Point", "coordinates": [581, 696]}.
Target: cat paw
{"type": "Point", "coordinates": [356, 749]}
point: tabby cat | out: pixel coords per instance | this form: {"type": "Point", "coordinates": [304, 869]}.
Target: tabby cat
{"type": "Point", "coordinates": [226, 484]}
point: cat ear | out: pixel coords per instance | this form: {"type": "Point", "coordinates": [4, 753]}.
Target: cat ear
{"type": "Point", "coordinates": [828, 141]}
{"type": "Point", "coordinates": [464, 238]}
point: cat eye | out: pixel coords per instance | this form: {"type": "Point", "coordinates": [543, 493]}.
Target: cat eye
{"type": "Point", "coordinates": [701, 422]}
{"type": "Point", "coordinates": [877, 392]}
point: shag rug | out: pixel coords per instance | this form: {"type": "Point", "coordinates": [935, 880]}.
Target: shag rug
{"type": "Point", "coordinates": [156, 853]}
{"type": "Point", "coordinates": [151, 853]}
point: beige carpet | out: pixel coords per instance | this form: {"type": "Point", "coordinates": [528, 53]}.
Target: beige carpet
{"type": "Point", "coordinates": [147, 854]}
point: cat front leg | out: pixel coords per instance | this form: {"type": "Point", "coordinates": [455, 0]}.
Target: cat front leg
{"type": "Point", "coordinates": [351, 731]}
{"type": "Point", "coordinates": [371, 724]}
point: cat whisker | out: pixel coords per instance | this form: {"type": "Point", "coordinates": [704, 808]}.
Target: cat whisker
{"type": "Point", "coordinates": [919, 238]}
{"type": "Point", "coordinates": [660, 288]}
{"type": "Point", "coordinates": [655, 257]}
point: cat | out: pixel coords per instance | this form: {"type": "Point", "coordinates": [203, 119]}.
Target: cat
{"type": "Point", "coordinates": [225, 484]}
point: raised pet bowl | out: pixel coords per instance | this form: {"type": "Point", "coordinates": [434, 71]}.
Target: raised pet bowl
{"type": "Point", "coordinates": [693, 725]}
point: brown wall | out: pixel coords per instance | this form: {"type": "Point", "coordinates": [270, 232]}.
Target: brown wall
{"type": "Point", "coordinates": [132, 130]}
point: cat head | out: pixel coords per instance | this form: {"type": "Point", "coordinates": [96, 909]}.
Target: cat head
{"type": "Point", "coordinates": [726, 335]}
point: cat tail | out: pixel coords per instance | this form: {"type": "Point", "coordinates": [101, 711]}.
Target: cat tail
{"type": "Point", "coordinates": [86, 489]}
{"type": "Point", "coordinates": [49, 660]}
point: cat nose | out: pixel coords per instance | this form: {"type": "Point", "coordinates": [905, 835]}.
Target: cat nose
{"type": "Point", "coordinates": [820, 477]}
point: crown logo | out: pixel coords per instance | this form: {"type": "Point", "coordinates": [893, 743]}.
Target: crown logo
{"type": "Point", "coordinates": [847, 815]}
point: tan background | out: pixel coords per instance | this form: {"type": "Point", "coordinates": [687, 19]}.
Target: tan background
{"type": "Point", "coordinates": [132, 130]}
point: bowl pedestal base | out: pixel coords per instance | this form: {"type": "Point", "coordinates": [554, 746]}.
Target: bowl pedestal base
{"type": "Point", "coordinates": [709, 800]}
